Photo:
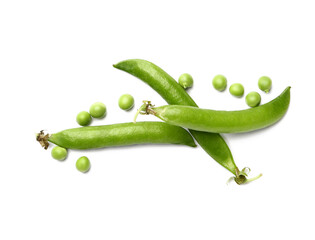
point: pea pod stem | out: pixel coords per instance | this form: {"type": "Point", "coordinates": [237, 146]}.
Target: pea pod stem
{"type": "Point", "coordinates": [42, 138]}
{"type": "Point", "coordinates": [241, 177]}
{"type": "Point", "coordinates": [144, 109]}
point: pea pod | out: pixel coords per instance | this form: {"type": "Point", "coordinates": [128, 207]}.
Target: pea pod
{"type": "Point", "coordinates": [121, 134]}
{"type": "Point", "coordinates": [174, 94]}
{"type": "Point", "coordinates": [223, 121]}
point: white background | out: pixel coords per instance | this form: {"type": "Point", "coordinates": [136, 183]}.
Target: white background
{"type": "Point", "coordinates": [56, 60]}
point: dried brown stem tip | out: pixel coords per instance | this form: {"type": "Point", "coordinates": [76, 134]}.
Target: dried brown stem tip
{"type": "Point", "coordinates": [42, 138]}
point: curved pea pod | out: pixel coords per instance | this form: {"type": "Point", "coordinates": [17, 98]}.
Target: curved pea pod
{"type": "Point", "coordinates": [173, 93]}
{"type": "Point", "coordinates": [121, 134]}
{"type": "Point", "coordinates": [224, 121]}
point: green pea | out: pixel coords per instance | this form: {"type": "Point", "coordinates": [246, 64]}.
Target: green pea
{"type": "Point", "coordinates": [185, 80]}
{"type": "Point", "coordinates": [264, 84]}
{"type": "Point", "coordinates": [237, 90]}
{"type": "Point", "coordinates": [253, 99]}
{"type": "Point", "coordinates": [83, 164]}
{"type": "Point", "coordinates": [126, 102]}
{"type": "Point", "coordinates": [98, 110]}
{"type": "Point", "coordinates": [59, 153]}
{"type": "Point", "coordinates": [83, 118]}
{"type": "Point", "coordinates": [219, 82]}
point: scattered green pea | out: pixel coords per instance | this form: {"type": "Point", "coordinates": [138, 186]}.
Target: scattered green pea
{"type": "Point", "coordinates": [185, 80]}
{"type": "Point", "coordinates": [126, 102]}
{"type": "Point", "coordinates": [253, 99]}
{"type": "Point", "coordinates": [98, 110]}
{"type": "Point", "coordinates": [237, 90]}
{"type": "Point", "coordinates": [83, 118]}
{"type": "Point", "coordinates": [219, 82]}
{"type": "Point", "coordinates": [83, 164]}
{"type": "Point", "coordinates": [59, 153]}
{"type": "Point", "coordinates": [264, 84]}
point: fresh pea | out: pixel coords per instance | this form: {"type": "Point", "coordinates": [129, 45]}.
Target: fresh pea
{"type": "Point", "coordinates": [237, 90]}
{"type": "Point", "coordinates": [121, 134]}
{"type": "Point", "coordinates": [224, 121]}
{"type": "Point", "coordinates": [253, 99]}
{"type": "Point", "coordinates": [185, 80]}
{"type": "Point", "coordinates": [83, 164]}
{"type": "Point", "coordinates": [264, 84]}
{"type": "Point", "coordinates": [126, 102]}
{"type": "Point", "coordinates": [219, 82]}
{"type": "Point", "coordinates": [59, 153]}
{"type": "Point", "coordinates": [83, 118]}
{"type": "Point", "coordinates": [98, 110]}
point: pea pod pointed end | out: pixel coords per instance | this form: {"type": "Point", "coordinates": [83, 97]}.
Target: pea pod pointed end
{"type": "Point", "coordinates": [241, 177]}
{"type": "Point", "coordinates": [42, 138]}
{"type": "Point", "coordinates": [128, 65]}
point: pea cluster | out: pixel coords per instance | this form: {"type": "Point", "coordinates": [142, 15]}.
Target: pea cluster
{"type": "Point", "coordinates": [84, 118]}
{"type": "Point", "coordinates": [219, 82]}
{"type": "Point", "coordinates": [253, 98]}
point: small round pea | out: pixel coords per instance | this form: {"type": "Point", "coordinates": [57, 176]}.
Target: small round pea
{"type": "Point", "coordinates": [237, 90]}
{"type": "Point", "coordinates": [219, 82]}
{"type": "Point", "coordinates": [83, 164]}
{"type": "Point", "coordinates": [126, 102]}
{"type": "Point", "coordinates": [264, 84]}
{"type": "Point", "coordinates": [253, 99]}
{"type": "Point", "coordinates": [185, 80]}
{"type": "Point", "coordinates": [59, 153]}
{"type": "Point", "coordinates": [83, 118]}
{"type": "Point", "coordinates": [98, 110]}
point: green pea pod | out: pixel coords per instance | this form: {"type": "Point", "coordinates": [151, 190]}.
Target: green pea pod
{"type": "Point", "coordinates": [121, 134]}
{"type": "Point", "coordinates": [174, 94]}
{"type": "Point", "coordinates": [224, 121]}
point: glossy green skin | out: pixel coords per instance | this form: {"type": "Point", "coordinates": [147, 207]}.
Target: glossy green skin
{"type": "Point", "coordinates": [59, 153]}
{"type": "Point", "coordinates": [237, 90]}
{"type": "Point", "coordinates": [174, 94]}
{"type": "Point", "coordinates": [98, 110]}
{"type": "Point", "coordinates": [253, 99]}
{"type": "Point", "coordinates": [226, 121]}
{"type": "Point", "coordinates": [186, 80]}
{"type": "Point", "coordinates": [264, 84]}
{"type": "Point", "coordinates": [126, 102]}
{"type": "Point", "coordinates": [84, 118]}
{"type": "Point", "coordinates": [121, 134]}
{"type": "Point", "coordinates": [219, 82]}
{"type": "Point", "coordinates": [83, 164]}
